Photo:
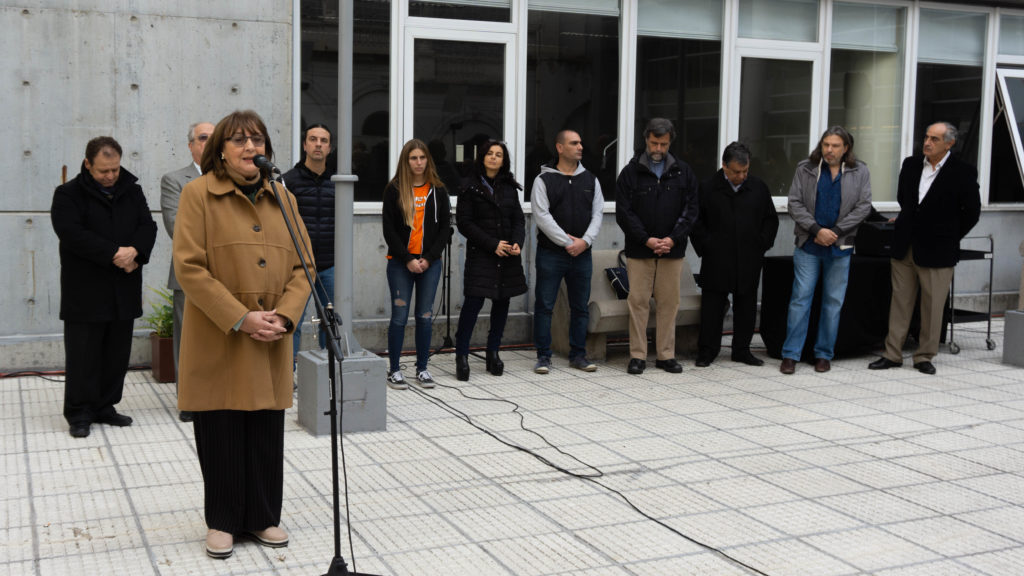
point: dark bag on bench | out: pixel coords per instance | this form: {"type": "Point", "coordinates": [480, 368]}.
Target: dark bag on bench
{"type": "Point", "coordinates": [618, 277]}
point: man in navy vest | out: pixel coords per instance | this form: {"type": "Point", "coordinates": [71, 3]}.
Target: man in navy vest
{"type": "Point", "coordinates": [567, 206]}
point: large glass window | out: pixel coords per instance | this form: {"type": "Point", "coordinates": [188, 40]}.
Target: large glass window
{"type": "Point", "coordinates": [866, 87]}
{"type": "Point", "coordinates": [1006, 182]}
{"type": "Point", "coordinates": [370, 84]}
{"type": "Point", "coordinates": [485, 10]}
{"type": "Point", "coordinates": [1011, 35]}
{"type": "Point", "coordinates": [775, 117]}
{"type": "Point", "coordinates": [572, 82]}
{"type": "Point", "coordinates": [458, 99]}
{"type": "Point", "coordinates": [795, 20]}
{"type": "Point", "coordinates": [949, 76]}
{"type": "Point", "coordinates": [678, 76]}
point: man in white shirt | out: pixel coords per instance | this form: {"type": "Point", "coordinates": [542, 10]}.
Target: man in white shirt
{"type": "Point", "coordinates": [939, 204]}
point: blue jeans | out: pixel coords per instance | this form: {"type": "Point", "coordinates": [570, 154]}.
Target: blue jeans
{"type": "Point", "coordinates": [806, 270]}
{"type": "Point", "coordinates": [325, 289]}
{"type": "Point", "coordinates": [401, 283]}
{"type": "Point", "coordinates": [471, 307]}
{"type": "Point", "coordinates": [552, 267]}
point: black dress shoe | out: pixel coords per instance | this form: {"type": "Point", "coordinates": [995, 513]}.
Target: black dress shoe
{"type": "Point", "coordinates": [462, 367]}
{"type": "Point", "coordinates": [115, 419]}
{"type": "Point", "coordinates": [925, 367]}
{"type": "Point", "coordinates": [494, 364]}
{"type": "Point", "coordinates": [884, 363]}
{"type": "Point", "coordinates": [747, 358]}
{"type": "Point", "coordinates": [636, 366]}
{"type": "Point", "coordinates": [186, 416]}
{"type": "Point", "coordinates": [671, 365]}
{"type": "Point", "coordinates": [79, 430]}
{"type": "Point", "coordinates": [703, 362]}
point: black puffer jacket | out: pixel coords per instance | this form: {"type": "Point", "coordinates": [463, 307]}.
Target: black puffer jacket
{"type": "Point", "coordinates": [485, 219]}
{"type": "Point", "coordinates": [315, 196]}
{"type": "Point", "coordinates": [91, 227]}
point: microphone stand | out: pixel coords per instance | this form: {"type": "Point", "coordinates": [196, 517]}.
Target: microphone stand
{"type": "Point", "coordinates": [329, 323]}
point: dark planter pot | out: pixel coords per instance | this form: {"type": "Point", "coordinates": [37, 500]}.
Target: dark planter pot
{"type": "Point", "coordinates": [163, 358]}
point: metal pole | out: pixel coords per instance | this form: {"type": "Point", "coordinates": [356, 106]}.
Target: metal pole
{"type": "Point", "coordinates": [344, 181]}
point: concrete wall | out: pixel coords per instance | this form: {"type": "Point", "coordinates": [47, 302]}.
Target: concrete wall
{"type": "Point", "coordinates": [138, 70]}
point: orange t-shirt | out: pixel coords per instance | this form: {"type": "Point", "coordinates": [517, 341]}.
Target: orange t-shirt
{"type": "Point", "coordinates": [420, 194]}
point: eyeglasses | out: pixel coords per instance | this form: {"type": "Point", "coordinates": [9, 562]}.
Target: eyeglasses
{"type": "Point", "coordinates": [203, 137]}
{"type": "Point", "coordinates": [239, 140]}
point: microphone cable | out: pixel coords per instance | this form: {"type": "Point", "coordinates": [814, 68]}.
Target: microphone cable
{"type": "Point", "coordinates": [591, 477]}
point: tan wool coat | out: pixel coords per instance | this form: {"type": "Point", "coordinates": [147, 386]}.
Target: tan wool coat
{"type": "Point", "coordinates": [232, 256]}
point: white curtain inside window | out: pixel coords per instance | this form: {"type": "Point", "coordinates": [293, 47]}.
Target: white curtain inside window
{"type": "Point", "coordinates": [1011, 35]}
{"type": "Point", "coordinates": [794, 20]}
{"type": "Point", "coordinates": [698, 19]}
{"type": "Point", "coordinates": [867, 27]}
{"type": "Point", "coordinates": [949, 37]}
{"type": "Point", "coordinates": [594, 7]}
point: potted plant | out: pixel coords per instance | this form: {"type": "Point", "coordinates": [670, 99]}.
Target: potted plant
{"type": "Point", "coordinates": [161, 320]}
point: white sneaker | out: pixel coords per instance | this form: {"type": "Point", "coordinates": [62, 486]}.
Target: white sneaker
{"type": "Point", "coordinates": [424, 379]}
{"type": "Point", "coordinates": [396, 381]}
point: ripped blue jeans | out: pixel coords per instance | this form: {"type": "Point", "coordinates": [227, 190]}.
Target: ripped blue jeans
{"type": "Point", "coordinates": [402, 283]}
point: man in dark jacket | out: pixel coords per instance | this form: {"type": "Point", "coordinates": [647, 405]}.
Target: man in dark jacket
{"type": "Point", "coordinates": [656, 206]}
{"type": "Point", "coordinates": [939, 204]}
{"type": "Point", "coordinates": [736, 226]}
{"type": "Point", "coordinates": [106, 235]}
{"type": "Point", "coordinates": [310, 182]}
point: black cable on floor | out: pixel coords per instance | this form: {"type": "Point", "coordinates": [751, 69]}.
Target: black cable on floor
{"type": "Point", "coordinates": [589, 477]}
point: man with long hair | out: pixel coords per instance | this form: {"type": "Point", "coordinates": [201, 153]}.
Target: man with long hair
{"type": "Point", "coordinates": [829, 197]}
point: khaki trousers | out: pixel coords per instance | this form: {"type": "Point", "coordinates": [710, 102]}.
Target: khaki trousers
{"type": "Point", "coordinates": [934, 283]}
{"type": "Point", "coordinates": [657, 277]}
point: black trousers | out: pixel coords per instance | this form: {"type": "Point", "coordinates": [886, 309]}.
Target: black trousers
{"type": "Point", "coordinates": [471, 307]}
{"type": "Point", "coordinates": [241, 455]}
{"type": "Point", "coordinates": [96, 358]}
{"type": "Point", "coordinates": [713, 306]}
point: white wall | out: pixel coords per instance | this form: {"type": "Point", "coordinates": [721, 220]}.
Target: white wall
{"type": "Point", "coordinates": [140, 71]}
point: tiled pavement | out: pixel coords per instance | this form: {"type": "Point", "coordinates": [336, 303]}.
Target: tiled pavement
{"type": "Point", "coordinates": [747, 471]}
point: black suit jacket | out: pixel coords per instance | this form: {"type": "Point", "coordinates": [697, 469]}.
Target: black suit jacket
{"type": "Point", "coordinates": [934, 227]}
{"type": "Point", "coordinates": [732, 232]}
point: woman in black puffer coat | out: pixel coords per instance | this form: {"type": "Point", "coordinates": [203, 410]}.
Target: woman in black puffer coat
{"type": "Point", "coordinates": [490, 217]}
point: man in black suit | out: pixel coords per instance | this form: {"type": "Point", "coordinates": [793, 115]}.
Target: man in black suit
{"type": "Point", "coordinates": [737, 224]}
{"type": "Point", "coordinates": [939, 204]}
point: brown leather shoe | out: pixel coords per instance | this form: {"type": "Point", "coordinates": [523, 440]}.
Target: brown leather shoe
{"type": "Point", "coordinates": [822, 365]}
{"type": "Point", "coordinates": [788, 366]}
{"type": "Point", "coordinates": [219, 544]}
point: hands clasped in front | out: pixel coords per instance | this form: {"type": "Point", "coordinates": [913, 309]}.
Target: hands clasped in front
{"type": "Point", "coordinates": [825, 237]}
{"type": "Point", "coordinates": [505, 249]}
{"type": "Point", "coordinates": [660, 246]}
{"type": "Point", "coordinates": [124, 258]}
{"type": "Point", "coordinates": [578, 246]}
{"type": "Point", "coordinates": [418, 265]}
{"type": "Point", "coordinates": [264, 325]}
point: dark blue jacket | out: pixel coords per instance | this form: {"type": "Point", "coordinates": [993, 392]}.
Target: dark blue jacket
{"type": "Point", "coordinates": [650, 207]}
{"type": "Point", "coordinates": [314, 195]}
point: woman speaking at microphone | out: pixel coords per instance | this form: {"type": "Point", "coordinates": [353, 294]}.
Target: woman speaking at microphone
{"type": "Point", "coordinates": [245, 289]}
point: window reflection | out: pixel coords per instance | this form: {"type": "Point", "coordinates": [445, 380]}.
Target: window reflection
{"type": "Point", "coordinates": [370, 84]}
{"type": "Point", "coordinates": [775, 118]}
{"type": "Point", "coordinates": [572, 83]}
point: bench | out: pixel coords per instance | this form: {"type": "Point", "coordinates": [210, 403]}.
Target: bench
{"type": "Point", "coordinates": [609, 315]}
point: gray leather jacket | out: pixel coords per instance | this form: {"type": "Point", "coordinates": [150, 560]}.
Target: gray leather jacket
{"type": "Point", "coordinates": [854, 206]}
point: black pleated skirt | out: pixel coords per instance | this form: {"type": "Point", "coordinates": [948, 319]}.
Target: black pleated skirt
{"type": "Point", "coordinates": [241, 455]}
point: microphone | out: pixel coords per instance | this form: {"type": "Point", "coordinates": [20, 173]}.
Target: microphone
{"type": "Point", "coordinates": [264, 163]}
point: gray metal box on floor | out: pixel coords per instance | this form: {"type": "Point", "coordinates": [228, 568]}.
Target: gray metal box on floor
{"type": "Point", "coordinates": [363, 392]}
{"type": "Point", "coordinates": [1013, 338]}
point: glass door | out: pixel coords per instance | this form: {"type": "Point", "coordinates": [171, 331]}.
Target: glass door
{"type": "Point", "coordinates": [458, 94]}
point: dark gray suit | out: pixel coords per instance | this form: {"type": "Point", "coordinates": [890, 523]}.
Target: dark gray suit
{"type": "Point", "coordinates": [170, 191]}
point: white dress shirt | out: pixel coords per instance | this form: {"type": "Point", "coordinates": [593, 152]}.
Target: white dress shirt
{"type": "Point", "coordinates": [928, 176]}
